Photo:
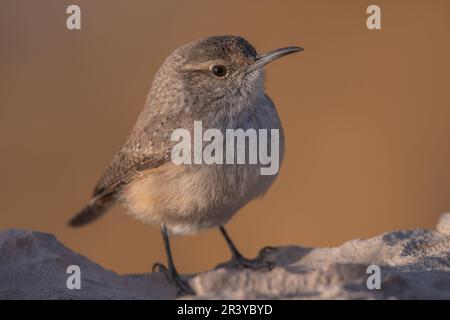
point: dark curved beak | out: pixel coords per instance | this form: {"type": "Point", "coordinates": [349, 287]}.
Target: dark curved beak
{"type": "Point", "coordinates": [265, 58]}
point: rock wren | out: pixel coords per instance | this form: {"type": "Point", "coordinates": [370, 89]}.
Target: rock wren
{"type": "Point", "coordinates": [218, 80]}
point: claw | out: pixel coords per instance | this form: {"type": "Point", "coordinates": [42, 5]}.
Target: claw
{"type": "Point", "coordinates": [266, 250]}
{"type": "Point", "coordinates": [182, 286]}
{"type": "Point", "coordinates": [239, 261]}
{"type": "Point", "coordinates": [160, 267]}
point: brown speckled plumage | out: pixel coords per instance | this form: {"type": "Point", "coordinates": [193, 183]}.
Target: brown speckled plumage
{"type": "Point", "coordinates": [188, 198]}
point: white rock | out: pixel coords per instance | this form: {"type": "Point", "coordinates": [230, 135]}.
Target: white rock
{"type": "Point", "coordinates": [443, 225]}
{"type": "Point", "coordinates": [33, 266]}
{"type": "Point", "coordinates": [414, 265]}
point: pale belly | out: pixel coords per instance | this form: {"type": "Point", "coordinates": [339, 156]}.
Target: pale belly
{"type": "Point", "coordinates": [190, 199]}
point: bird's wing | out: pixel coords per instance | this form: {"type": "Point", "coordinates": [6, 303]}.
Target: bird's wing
{"type": "Point", "coordinates": [122, 170]}
{"type": "Point", "coordinates": [148, 146]}
{"type": "Point", "coordinates": [125, 165]}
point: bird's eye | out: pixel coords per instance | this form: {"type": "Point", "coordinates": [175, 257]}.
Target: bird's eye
{"type": "Point", "coordinates": [219, 70]}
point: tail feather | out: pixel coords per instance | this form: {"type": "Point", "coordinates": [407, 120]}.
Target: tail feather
{"type": "Point", "coordinates": [94, 210]}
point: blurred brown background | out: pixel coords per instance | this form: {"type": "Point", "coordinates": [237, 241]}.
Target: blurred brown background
{"type": "Point", "coordinates": [366, 115]}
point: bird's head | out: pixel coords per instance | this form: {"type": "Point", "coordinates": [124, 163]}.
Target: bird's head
{"type": "Point", "coordinates": [218, 69]}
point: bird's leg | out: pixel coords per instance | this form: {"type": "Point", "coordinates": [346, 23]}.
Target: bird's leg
{"type": "Point", "coordinates": [239, 261]}
{"type": "Point", "coordinates": [170, 271]}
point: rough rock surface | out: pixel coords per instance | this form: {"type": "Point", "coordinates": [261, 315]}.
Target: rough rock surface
{"type": "Point", "coordinates": [414, 265]}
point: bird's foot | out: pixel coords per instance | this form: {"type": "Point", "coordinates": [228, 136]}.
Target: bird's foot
{"type": "Point", "coordinates": [182, 286]}
{"type": "Point", "coordinates": [240, 262]}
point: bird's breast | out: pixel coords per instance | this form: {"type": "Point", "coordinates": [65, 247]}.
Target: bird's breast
{"type": "Point", "coordinates": [192, 197]}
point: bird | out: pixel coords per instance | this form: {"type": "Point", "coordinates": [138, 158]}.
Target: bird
{"type": "Point", "coordinates": [218, 80]}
